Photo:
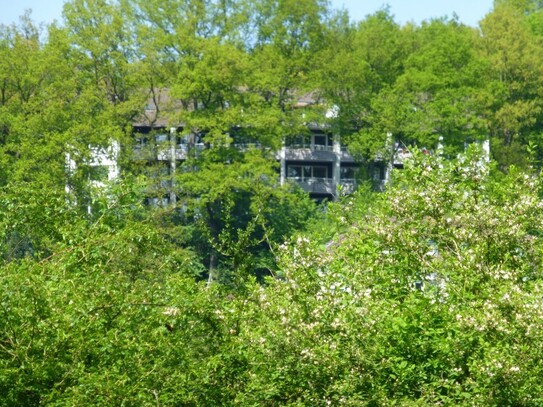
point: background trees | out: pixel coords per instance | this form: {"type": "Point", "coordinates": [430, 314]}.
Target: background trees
{"type": "Point", "coordinates": [513, 51]}
{"type": "Point", "coordinates": [237, 63]}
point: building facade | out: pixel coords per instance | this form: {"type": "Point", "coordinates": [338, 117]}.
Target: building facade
{"type": "Point", "coordinates": [315, 160]}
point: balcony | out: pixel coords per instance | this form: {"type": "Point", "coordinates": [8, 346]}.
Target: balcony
{"type": "Point", "coordinates": [400, 156]}
{"type": "Point", "coordinates": [347, 185]}
{"type": "Point", "coordinates": [316, 185]}
{"type": "Point", "coordinates": [345, 156]}
{"type": "Point", "coordinates": [163, 152]}
{"type": "Point", "coordinates": [182, 151]}
{"type": "Point", "coordinates": [315, 153]}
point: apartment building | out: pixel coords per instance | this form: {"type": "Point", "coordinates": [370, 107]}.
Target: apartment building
{"type": "Point", "coordinates": [315, 160]}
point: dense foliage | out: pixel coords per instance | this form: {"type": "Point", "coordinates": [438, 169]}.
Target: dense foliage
{"type": "Point", "coordinates": [428, 294]}
{"type": "Point", "coordinates": [243, 291]}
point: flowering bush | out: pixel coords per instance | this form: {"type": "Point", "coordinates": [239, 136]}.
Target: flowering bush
{"type": "Point", "coordinates": [434, 297]}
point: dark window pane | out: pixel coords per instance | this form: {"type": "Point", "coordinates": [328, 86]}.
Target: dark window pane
{"type": "Point", "coordinates": [294, 171]}
{"type": "Point", "coordinates": [320, 140]}
{"type": "Point", "coordinates": [320, 172]}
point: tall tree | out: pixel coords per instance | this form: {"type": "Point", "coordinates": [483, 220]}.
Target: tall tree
{"type": "Point", "coordinates": [515, 56]}
{"type": "Point", "coordinates": [216, 92]}
{"type": "Point", "coordinates": [357, 63]}
{"type": "Point", "coordinates": [38, 103]}
{"type": "Point", "coordinates": [436, 97]}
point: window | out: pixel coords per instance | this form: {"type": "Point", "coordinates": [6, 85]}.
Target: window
{"type": "Point", "coordinates": [161, 138]}
{"type": "Point", "coordinates": [294, 171]}
{"type": "Point", "coordinates": [306, 172]}
{"type": "Point", "coordinates": [320, 172]}
{"type": "Point", "coordinates": [378, 173]}
{"type": "Point", "coordinates": [299, 141]}
{"type": "Point", "coordinates": [347, 172]}
{"type": "Point", "coordinates": [320, 141]}
{"type": "Point", "coordinates": [141, 141]}
{"type": "Point", "coordinates": [315, 141]}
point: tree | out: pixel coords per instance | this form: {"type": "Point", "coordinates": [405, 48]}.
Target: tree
{"type": "Point", "coordinates": [31, 76]}
{"type": "Point", "coordinates": [239, 215]}
{"type": "Point", "coordinates": [429, 298]}
{"type": "Point", "coordinates": [437, 98]}
{"type": "Point", "coordinates": [525, 6]}
{"type": "Point", "coordinates": [231, 92]}
{"type": "Point", "coordinates": [515, 55]}
{"type": "Point", "coordinates": [282, 65]}
{"type": "Point", "coordinates": [103, 44]}
{"type": "Point", "coordinates": [358, 62]}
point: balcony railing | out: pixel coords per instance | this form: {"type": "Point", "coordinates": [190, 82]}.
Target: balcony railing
{"type": "Point", "coordinates": [316, 185]}
{"type": "Point", "coordinates": [312, 147]}
{"type": "Point", "coordinates": [346, 156]}
{"type": "Point", "coordinates": [348, 185]}
{"type": "Point", "coordinates": [163, 152]}
{"type": "Point", "coordinates": [308, 154]}
{"type": "Point", "coordinates": [400, 155]}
